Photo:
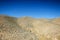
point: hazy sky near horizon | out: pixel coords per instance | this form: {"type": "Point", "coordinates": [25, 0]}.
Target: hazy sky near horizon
{"type": "Point", "coordinates": [33, 8]}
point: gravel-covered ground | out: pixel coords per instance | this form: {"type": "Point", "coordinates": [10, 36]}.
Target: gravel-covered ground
{"type": "Point", "coordinates": [27, 28]}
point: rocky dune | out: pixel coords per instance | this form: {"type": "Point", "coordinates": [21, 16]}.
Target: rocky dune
{"type": "Point", "coordinates": [28, 28]}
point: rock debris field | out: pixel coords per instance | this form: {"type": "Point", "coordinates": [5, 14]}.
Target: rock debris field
{"type": "Point", "coordinates": [28, 28]}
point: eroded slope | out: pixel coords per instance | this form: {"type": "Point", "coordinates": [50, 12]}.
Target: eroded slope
{"type": "Point", "coordinates": [11, 31]}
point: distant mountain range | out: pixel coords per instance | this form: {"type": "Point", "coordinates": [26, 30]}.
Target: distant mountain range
{"type": "Point", "coordinates": [28, 28]}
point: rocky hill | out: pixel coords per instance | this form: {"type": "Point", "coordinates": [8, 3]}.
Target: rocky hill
{"type": "Point", "coordinates": [28, 28]}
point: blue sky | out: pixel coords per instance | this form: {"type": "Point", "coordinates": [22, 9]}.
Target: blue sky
{"type": "Point", "coordinates": [33, 8]}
